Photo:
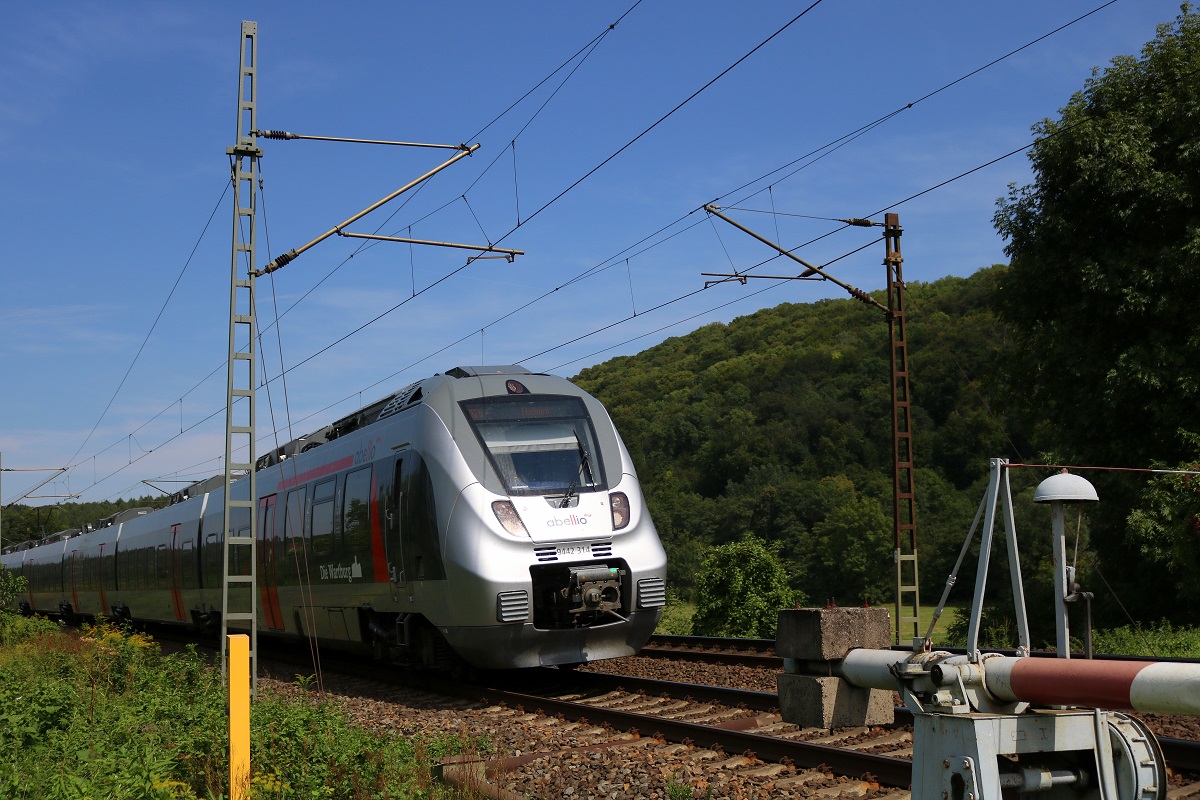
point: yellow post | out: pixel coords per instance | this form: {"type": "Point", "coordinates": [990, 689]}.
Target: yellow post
{"type": "Point", "coordinates": [239, 716]}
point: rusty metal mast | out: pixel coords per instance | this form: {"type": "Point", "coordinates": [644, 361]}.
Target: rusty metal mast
{"type": "Point", "coordinates": [904, 507]}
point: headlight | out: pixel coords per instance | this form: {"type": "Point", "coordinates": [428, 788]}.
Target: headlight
{"type": "Point", "coordinates": [619, 504]}
{"type": "Point", "coordinates": [509, 518]}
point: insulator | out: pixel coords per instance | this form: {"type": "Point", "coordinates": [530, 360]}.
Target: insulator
{"type": "Point", "coordinates": [861, 223]}
{"type": "Point", "coordinates": [859, 294]}
{"type": "Point", "coordinates": [281, 261]}
{"type": "Point", "coordinates": [278, 135]}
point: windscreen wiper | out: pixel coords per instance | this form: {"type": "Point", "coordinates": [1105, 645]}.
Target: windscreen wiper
{"type": "Point", "coordinates": [584, 464]}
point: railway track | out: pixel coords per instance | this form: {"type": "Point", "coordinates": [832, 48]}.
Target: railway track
{"type": "Point", "coordinates": [717, 720]}
{"type": "Point", "coordinates": [712, 650]}
{"type": "Point", "coordinates": [559, 733]}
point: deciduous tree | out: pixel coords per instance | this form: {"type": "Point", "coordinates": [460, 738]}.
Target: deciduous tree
{"type": "Point", "coordinates": [1105, 248]}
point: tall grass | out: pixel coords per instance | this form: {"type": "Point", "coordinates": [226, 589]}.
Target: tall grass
{"type": "Point", "coordinates": [1153, 641]}
{"type": "Point", "coordinates": [104, 714]}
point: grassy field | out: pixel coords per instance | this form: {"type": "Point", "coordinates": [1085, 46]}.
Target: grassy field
{"type": "Point", "coordinates": [677, 620]}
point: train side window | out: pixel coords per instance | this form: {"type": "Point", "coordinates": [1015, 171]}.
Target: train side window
{"type": "Point", "coordinates": [188, 565]}
{"type": "Point", "coordinates": [161, 579]}
{"type": "Point", "coordinates": [356, 509]}
{"type": "Point", "coordinates": [322, 518]}
{"type": "Point", "coordinates": [243, 555]}
{"type": "Point", "coordinates": [213, 560]}
{"type": "Point", "coordinates": [293, 522]}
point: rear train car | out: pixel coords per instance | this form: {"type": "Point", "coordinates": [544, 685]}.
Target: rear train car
{"type": "Point", "coordinates": [487, 513]}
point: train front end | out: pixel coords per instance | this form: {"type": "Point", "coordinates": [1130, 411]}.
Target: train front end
{"type": "Point", "coordinates": [553, 556]}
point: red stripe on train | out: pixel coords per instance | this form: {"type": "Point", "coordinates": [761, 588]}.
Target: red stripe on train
{"type": "Point", "coordinates": [377, 552]}
{"type": "Point", "coordinates": [317, 472]}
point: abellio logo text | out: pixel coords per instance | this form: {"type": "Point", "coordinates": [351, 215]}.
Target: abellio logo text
{"type": "Point", "coordinates": [571, 520]}
{"type": "Point", "coordinates": [366, 452]}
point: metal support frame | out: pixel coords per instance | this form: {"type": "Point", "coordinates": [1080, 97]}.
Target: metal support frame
{"type": "Point", "coordinates": [239, 584]}
{"type": "Point", "coordinates": [998, 493]}
{"type": "Point", "coordinates": [989, 726]}
{"type": "Point", "coordinates": [904, 506]}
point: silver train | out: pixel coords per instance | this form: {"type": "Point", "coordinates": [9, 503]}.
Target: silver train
{"type": "Point", "coordinates": [488, 512]}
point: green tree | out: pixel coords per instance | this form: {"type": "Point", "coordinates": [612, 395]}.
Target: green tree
{"type": "Point", "coordinates": [1164, 527]}
{"type": "Point", "coordinates": [740, 590]}
{"type": "Point", "coordinates": [1104, 248]}
{"type": "Point", "coordinates": [854, 546]}
{"type": "Point", "coordinates": [1100, 293]}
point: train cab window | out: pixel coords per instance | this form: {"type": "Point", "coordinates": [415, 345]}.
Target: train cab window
{"type": "Point", "coordinates": [322, 518]}
{"type": "Point", "coordinates": [538, 444]}
{"type": "Point", "coordinates": [356, 508]}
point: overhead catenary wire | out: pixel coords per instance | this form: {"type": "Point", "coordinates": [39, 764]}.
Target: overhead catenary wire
{"type": "Point", "coordinates": [664, 228]}
{"type": "Point", "coordinates": [580, 180]}
{"type": "Point", "coordinates": [672, 302]}
{"type": "Point", "coordinates": [577, 182]}
{"type": "Point", "coordinates": [665, 117]}
{"type": "Point", "coordinates": [588, 48]}
{"type": "Point", "coordinates": [585, 51]}
{"type": "Point", "coordinates": [836, 143]}
{"type": "Point", "coordinates": [526, 305]}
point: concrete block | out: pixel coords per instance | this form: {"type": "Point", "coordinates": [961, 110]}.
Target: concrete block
{"type": "Point", "coordinates": [826, 634]}
{"type": "Point", "coordinates": [825, 702]}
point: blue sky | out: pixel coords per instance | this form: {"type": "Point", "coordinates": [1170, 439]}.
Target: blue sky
{"type": "Point", "coordinates": [114, 119]}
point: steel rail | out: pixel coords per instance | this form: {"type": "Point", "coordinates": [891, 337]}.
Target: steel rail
{"type": "Point", "coordinates": [748, 698]}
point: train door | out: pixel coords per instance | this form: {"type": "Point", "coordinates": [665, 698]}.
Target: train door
{"type": "Point", "coordinates": [175, 567]}
{"type": "Point", "coordinates": [101, 565]}
{"type": "Point", "coordinates": [392, 524]}
{"type": "Point", "coordinates": [267, 586]}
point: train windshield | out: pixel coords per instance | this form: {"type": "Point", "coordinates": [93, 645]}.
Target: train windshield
{"type": "Point", "coordinates": [539, 444]}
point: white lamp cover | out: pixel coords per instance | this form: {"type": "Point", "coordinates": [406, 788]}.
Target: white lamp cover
{"type": "Point", "coordinates": [1065, 487]}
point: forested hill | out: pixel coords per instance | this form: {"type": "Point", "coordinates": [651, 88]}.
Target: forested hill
{"type": "Point", "coordinates": [779, 424]}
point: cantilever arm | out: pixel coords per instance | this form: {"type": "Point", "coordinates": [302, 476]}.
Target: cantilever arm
{"type": "Point", "coordinates": [290, 255]}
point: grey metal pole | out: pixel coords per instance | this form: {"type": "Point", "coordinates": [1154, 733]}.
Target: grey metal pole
{"type": "Point", "coordinates": [1061, 584]}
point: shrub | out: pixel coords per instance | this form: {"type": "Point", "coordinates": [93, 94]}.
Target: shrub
{"type": "Point", "coordinates": [10, 586]}
{"type": "Point", "coordinates": [740, 590]}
